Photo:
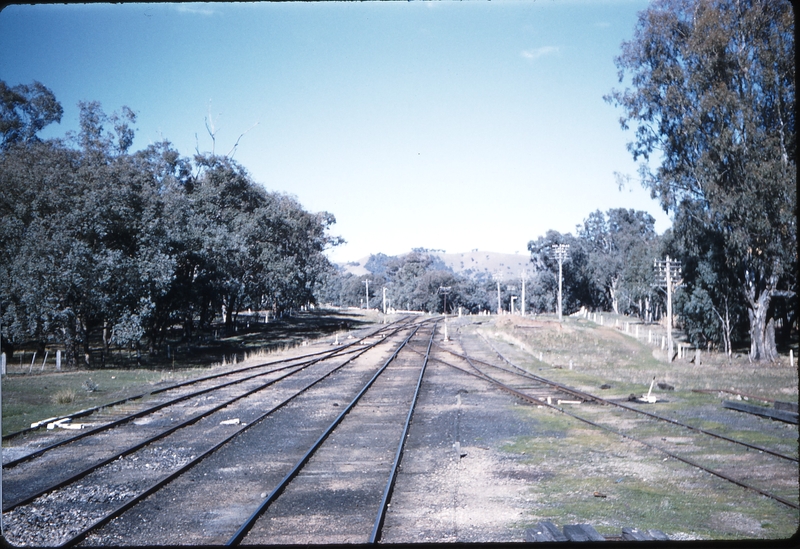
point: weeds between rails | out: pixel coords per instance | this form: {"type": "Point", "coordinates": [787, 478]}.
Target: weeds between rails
{"type": "Point", "coordinates": [601, 400]}
{"type": "Point", "coordinates": [520, 372]}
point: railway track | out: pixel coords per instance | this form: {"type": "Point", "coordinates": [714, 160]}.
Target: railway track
{"type": "Point", "coordinates": [102, 417]}
{"type": "Point", "coordinates": [114, 435]}
{"type": "Point", "coordinates": [655, 431]}
{"type": "Point", "coordinates": [61, 495]}
{"type": "Point", "coordinates": [309, 450]}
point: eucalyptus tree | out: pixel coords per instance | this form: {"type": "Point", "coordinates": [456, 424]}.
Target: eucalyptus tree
{"type": "Point", "coordinates": [251, 247]}
{"type": "Point", "coordinates": [620, 246]}
{"type": "Point", "coordinates": [72, 220]}
{"type": "Point", "coordinates": [708, 301]}
{"type": "Point", "coordinates": [712, 98]}
{"type": "Point", "coordinates": [36, 182]}
{"type": "Point", "coordinates": [25, 110]}
{"type": "Point", "coordinates": [95, 237]}
{"type": "Point", "coordinates": [404, 273]}
{"type": "Point", "coordinates": [577, 281]}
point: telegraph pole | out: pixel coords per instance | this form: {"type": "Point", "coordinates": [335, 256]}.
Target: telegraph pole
{"type": "Point", "coordinates": [498, 298]}
{"type": "Point", "coordinates": [668, 276]}
{"type": "Point", "coordinates": [444, 290]}
{"type": "Point", "coordinates": [384, 300]}
{"type": "Point", "coordinates": [366, 303]}
{"type": "Point", "coordinates": [560, 253]}
{"type": "Point", "coordinates": [522, 304]}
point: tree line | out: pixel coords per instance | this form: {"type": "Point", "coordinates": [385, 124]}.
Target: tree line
{"type": "Point", "coordinates": [711, 98]}
{"type": "Point", "coordinates": [609, 268]}
{"type": "Point", "coordinates": [98, 239]}
{"type": "Point", "coordinates": [101, 241]}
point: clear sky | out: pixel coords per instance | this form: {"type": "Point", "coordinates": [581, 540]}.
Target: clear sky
{"type": "Point", "coordinates": [441, 125]}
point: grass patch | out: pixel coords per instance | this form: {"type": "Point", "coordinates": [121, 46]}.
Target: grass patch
{"type": "Point", "coordinates": [640, 488]}
{"type": "Point", "coordinates": [31, 398]}
{"type": "Point", "coordinates": [643, 487]}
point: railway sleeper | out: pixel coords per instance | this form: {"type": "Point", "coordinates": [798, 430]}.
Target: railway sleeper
{"type": "Point", "coordinates": [546, 531]}
{"type": "Point", "coordinates": [772, 413]}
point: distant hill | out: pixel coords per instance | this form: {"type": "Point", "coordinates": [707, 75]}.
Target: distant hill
{"type": "Point", "coordinates": [469, 264]}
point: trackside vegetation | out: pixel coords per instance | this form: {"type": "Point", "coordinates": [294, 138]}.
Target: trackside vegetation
{"type": "Point", "coordinates": [119, 247]}
{"type": "Point", "coordinates": [710, 100]}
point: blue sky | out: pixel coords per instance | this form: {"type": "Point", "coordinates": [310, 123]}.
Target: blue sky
{"type": "Point", "coordinates": [442, 125]}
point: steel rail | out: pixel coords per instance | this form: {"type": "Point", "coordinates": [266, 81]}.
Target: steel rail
{"type": "Point", "coordinates": [140, 413]}
{"type": "Point", "coordinates": [80, 536]}
{"type": "Point", "coordinates": [601, 400]}
{"type": "Point", "coordinates": [138, 446]}
{"type": "Point", "coordinates": [688, 461]}
{"type": "Point", "coordinates": [248, 524]}
{"type": "Point", "coordinates": [88, 411]}
{"type": "Point", "coordinates": [559, 386]}
{"type": "Point", "coordinates": [152, 409]}
{"type": "Point", "coordinates": [375, 536]}
{"type": "Point", "coordinates": [339, 351]}
{"type": "Point", "coordinates": [190, 421]}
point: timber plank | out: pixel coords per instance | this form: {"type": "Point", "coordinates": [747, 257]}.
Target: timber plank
{"type": "Point", "coordinates": [785, 406]}
{"type": "Point", "coordinates": [554, 531]}
{"type": "Point", "coordinates": [634, 534]}
{"type": "Point", "coordinates": [582, 532]}
{"type": "Point", "coordinates": [658, 535]}
{"type": "Point", "coordinates": [789, 417]}
{"type": "Point", "coordinates": [538, 534]}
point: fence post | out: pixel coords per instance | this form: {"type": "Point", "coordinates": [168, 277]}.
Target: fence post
{"type": "Point", "coordinates": [1, 446]}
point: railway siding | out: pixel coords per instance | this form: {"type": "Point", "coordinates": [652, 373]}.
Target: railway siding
{"type": "Point", "coordinates": [212, 500]}
{"type": "Point", "coordinates": [483, 462]}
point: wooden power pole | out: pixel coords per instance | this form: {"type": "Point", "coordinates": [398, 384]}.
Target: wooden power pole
{"type": "Point", "coordinates": [668, 277]}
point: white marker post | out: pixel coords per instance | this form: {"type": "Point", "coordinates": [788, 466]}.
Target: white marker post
{"type": "Point", "coordinates": [522, 303]}
{"type": "Point", "coordinates": [1, 452]}
{"type": "Point", "coordinates": [560, 253]}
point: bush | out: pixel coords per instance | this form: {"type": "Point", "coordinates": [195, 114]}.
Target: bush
{"type": "Point", "coordinates": [90, 386]}
{"type": "Point", "coordinates": [64, 396]}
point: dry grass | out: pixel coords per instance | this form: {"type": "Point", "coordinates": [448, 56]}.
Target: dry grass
{"type": "Point", "coordinates": [607, 353]}
{"type": "Point", "coordinates": [64, 396]}
{"type": "Point", "coordinates": [644, 488]}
